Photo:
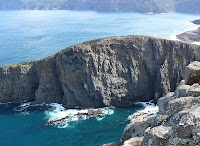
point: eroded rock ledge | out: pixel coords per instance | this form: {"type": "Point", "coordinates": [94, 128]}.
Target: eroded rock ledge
{"type": "Point", "coordinates": [178, 120]}
{"type": "Point", "coordinates": [106, 72]}
{"type": "Point", "coordinates": [192, 36]}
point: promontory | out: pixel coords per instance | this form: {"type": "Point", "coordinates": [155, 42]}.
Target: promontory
{"type": "Point", "coordinates": [105, 72]}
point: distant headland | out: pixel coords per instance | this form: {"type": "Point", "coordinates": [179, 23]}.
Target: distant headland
{"type": "Point", "coordinates": [192, 36]}
{"type": "Point", "coordinates": [141, 6]}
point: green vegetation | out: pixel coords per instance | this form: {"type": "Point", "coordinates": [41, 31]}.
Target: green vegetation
{"type": "Point", "coordinates": [42, 4]}
{"type": "Point", "coordinates": [92, 41]}
{"type": "Point", "coordinates": [156, 6]}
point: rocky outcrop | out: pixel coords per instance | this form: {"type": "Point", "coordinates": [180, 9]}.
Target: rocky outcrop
{"type": "Point", "coordinates": [178, 119]}
{"type": "Point", "coordinates": [192, 36]}
{"type": "Point", "coordinates": [106, 72]}
{"type": "Point", "coordinates": [196, 21]}
{"type": "Point", "coordinates": [80, 114]}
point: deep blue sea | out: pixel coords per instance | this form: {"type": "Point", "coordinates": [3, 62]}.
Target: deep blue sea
{"type": "Point", "coordinates": [30, 35]}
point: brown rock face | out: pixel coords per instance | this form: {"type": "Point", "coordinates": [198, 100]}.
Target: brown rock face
{"type": "Point", "coordinates": [107, 72]}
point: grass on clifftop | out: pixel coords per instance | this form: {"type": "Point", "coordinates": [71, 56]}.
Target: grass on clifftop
{"type": "Point", "coordinates": [32, 62]}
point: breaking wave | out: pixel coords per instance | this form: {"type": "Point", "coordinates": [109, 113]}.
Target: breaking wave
{"type": "Point", "coordinates": [149, 109]}
{"type": "Point", "coordinates": [59, 112]}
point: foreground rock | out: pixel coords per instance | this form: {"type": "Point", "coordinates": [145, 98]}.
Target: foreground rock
{"type": "Point", "coordinates": [178, 120]}
{"type": "Point", "coordinates": [106, 72]}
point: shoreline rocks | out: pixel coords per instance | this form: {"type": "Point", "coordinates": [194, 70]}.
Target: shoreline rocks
{"type": "Point", "coordinates": [88, 114]}
{"type": "Point", "coordinates": [105, 72]}
{"type": "Point", "coordinates": [178, 119]}
{"type": "Point", "coordinates": [192, 36]}
{"type": "Point", "coordinates": [196, 21]}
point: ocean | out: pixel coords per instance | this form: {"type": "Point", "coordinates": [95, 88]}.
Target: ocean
{"type": "Point", "coordinates": [30, 35]}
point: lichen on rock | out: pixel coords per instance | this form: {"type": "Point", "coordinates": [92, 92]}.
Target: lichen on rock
{"type": "Point", "coordinates": [178, 120]}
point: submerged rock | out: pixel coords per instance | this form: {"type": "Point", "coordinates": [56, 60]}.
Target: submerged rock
{"type": "Point", "coordinates": [80, 114]}
{"type": "Point", "coordinates": [178, 119]}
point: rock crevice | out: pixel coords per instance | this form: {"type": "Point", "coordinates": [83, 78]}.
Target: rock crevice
{"type": "Point", "coordinates": [178, 119]}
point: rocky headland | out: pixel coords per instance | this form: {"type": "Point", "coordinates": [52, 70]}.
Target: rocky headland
{"type": "Point", "coordinates": [178, 120]}
{"type": "Point", "coordinates": [192, 36]}
{"type": "Point", "coordinates": [196, 21]}
{"type": "Point", "coordinates": [141, 6]}
{"type": "Point", "coordinates": [106, 72]}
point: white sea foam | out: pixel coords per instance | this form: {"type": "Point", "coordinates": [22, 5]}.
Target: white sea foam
{"type": "Point", "coordinates": [22, 107]}
{"type": "Point", "coordinates": [24, 113]}
{"type": "Point", "coordinates": [100, 118]}
{"type": "Point", "coordinates": [59, 112]}
{"type": "Point", "coordinates": [174, 37]}
{"type": "Point", "coordinates": [149, 109]}
{"type": "Point", "coordinates": [191, 25]}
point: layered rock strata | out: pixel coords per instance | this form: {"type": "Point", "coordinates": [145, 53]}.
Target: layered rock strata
{"type": "Point", "coordinates": [106, 72]}
{"type": "Point", "coordinates": [178, 120]}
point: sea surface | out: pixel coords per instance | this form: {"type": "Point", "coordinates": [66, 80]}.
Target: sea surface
{"type": "Point", "coordinates": [31, 35]}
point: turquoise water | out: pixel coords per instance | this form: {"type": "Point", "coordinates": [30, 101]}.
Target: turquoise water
{"type": "Point", "coordinates": [30, 35]}
{"type": "Point", "coordinates": [27, 128]}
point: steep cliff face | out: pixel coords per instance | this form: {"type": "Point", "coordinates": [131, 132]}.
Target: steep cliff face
{"type": "Point", "coordinates": [106, 72]}
{"type": "Point", "coordinates": [178, 120]}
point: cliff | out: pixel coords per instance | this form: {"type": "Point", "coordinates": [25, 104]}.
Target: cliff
{"type": "Point", "coordinates": [190, 36]}
{"type": "Point", "coordinates": [106, 72]}
{"type": "Point", "coordinates": [141, 6]}
{"type": "Point", "coordinates": [178, 120]}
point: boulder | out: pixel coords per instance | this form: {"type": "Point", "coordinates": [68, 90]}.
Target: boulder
{"type": "Point", "coordinates": [157, 136]}
{"type": "Point", "coordinates": [133, 141]}
{"type": "Point", "coordinates": [178, 120]}
{"type": "Point", "coordinates": [137, 127]}
{"type": "Point", "coordinates": [192, 73]}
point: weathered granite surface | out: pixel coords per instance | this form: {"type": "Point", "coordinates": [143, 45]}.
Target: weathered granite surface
{"type": "Point", "coordinates": [106, 72]}
{"type": "Point", "coordinates": [178, 120]}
